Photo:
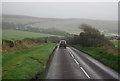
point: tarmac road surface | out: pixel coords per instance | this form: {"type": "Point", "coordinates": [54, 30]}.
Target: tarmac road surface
{"type": "Point", "coordinates": [71, 63]}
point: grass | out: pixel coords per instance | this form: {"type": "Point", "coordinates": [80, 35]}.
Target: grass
{"type": "Point", "coordinates": [26, 63]}
{"type": "Point", "coordinates": [0, 54]}
{"type": "Point", "coordinates": [21, 20]}
{"type": "Point", "coordinates": [116, 43]}
{"type": "Point", "coordinates": [0, 36]}
{"type": "Point", "coordinates": [19, 35]}
{"type": "Point", "coordinates": [0, 67]}
{"type": "Point", "coordinates": [103, 55]}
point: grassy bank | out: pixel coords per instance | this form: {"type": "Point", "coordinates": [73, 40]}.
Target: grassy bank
{"type": "Point", "coordinates": [19, 35]}
{"type": "Point", "coordinates": [26, 63]}
{"type": "Point", "coordinates": [103, 55]}
{"type": "Point", "coordinates": [0, 33]}
{"type": "Point", "coordinates": [116, 43]}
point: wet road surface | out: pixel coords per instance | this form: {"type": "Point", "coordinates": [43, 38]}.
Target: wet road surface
{"type": "Point", "coordinates": [71, 63]}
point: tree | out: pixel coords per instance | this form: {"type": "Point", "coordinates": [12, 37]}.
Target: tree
{"type": "Point", "coordinates": [91, 37]}
{"type": "Point", "coordinates": [88, 29]}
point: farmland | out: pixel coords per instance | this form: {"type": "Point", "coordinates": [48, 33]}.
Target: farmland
{"type": "Point", "coordinates": [19, 35]}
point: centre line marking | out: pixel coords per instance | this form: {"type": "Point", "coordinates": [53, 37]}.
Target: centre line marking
{"type": "Point", "coordinates": [85, 72]}
{"type": "Point", "coordinates": [76, 61]}
{"type": "Point", "coordinates": [72, 56]}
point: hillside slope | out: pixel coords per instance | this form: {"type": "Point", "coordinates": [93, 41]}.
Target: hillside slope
{"type": "Point", "coordinates": [68, 25]}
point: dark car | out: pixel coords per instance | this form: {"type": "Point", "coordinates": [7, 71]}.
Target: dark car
{"type": "Point", "coordinates": [62, 43]}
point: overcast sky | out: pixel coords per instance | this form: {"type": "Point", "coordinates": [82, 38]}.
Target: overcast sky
{"type": "Point", "coordinates": [89, 10]}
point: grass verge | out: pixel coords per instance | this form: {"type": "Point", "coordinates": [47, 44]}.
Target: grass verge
{"type": "Point", "coordinates": [116, 43]}
{"type": "Point", "coordinates": [26, 63]}
{"type": "Point", "coordinates": [103, 55]}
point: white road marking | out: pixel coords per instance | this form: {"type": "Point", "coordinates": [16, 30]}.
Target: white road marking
{"type": "Point", "coordinates": [72, 56]}
{"type": "Point", "coordinates": [76, 61]}
{"type": "Point", "coordinates": [85, 72]}
{"type": "Point", "coordinates": [78, 64]}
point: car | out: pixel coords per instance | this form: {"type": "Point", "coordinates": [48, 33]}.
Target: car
{"type": "Point", "coordinates": [62, 43]}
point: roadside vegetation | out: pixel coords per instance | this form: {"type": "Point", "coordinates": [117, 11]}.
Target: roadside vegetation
{"type": "Point", "coordinates": [26, 63]}
{"type": "Point", "coordinates": [97, 45]}
{"type": "Point", "coordinates": [90, 37]}
{"type": "Point", "coordinates": [8, 45]}
{"type": "Point", "coordinates": [116, 43]}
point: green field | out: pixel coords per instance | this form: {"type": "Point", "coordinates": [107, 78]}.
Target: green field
{"type": "Point", "coordinates": [0, 66]}
{"type": "Point", "coordinates": [103, 55]}
{"type": "Point", "coordinates": [22, 20]}
{"type": "Point", "coordinates": [0, 36]}
{"type": "Point", "coordinates": [19, 35]}
{"type": "Point", "coordinates": [26, 63]}
{"type": "Point", "coordinates": [116, 43]}
{"type": "Point", "coordinates": [0, 54]}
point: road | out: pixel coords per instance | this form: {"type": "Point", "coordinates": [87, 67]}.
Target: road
{"type": "Point", "coordinates": [71, 63]}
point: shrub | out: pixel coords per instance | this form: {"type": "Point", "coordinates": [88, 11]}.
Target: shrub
{"type": "Point", "coordinates": [90, 37]}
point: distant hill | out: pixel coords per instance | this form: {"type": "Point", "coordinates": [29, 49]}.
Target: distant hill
{"type": "Point", "coordinates": [68, 25]}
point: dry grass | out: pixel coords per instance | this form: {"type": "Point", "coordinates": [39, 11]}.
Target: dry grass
{"type": "Point", "coordinates": [112, 50]}
{"type": "Point", "coordinates": [8, 46]}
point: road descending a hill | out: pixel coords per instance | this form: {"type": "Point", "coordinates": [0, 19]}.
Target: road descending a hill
{"type": "Point", "coordinates": [71, 63]}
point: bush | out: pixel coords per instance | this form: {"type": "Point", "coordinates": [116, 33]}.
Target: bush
{"type": "Point", "coordinates": [90, 37]}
